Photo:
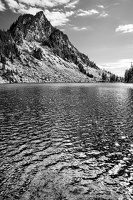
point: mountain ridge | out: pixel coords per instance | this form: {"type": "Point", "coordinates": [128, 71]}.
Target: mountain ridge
{"type": "Point", "coordinates": [34, 44]}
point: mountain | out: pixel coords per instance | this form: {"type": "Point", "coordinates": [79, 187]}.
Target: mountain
{"type": "Point", "coordinates": [32, 50]}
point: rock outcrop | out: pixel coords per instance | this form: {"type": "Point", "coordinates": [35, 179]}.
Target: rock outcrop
{"type": "Point", "coordinates": [32, 50]}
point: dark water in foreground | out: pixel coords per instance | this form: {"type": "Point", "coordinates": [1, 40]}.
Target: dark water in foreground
{"type": "Point", "coordinates": [66, 142]}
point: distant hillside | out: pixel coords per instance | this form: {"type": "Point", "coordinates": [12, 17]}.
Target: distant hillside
{"type": "Point", "coordinates": [32, 50]}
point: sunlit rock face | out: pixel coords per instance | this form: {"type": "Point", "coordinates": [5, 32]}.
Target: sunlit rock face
{"type": "Point", "coordinates": [44, 54]}
{"type": "Point", "coordinates": [31, 28]}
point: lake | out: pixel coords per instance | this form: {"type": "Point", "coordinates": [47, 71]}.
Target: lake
{"type": "Point", "coordinates": [66, 141]}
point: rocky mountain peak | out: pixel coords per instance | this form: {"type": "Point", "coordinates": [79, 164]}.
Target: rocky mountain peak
{"type": "Point", "coordinates": [40, 15]}
{"type": "Point", "coordinates": [29, 27]}
{"type": "Point", "coordinates": [40, 20]}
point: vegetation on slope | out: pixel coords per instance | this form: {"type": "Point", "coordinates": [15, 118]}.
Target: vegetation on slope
{"type": "Point", "coordinates": [111, 78]}
{"type": "Point", "coordinates": [129, 75]}
{"type": "Point", "coordinates": [8, 48]}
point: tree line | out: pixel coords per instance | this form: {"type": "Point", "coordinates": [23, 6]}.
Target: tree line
{"type": "Point", "coordinates": [111, 77]}
{"type": "Point", "coordinates": [129, 75]}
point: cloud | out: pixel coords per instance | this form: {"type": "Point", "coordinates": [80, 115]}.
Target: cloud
{"type": "Point", "coordinates": [14, 6]}
{"type": "Point", "coordinates": [125, 28]}
{"type": "Point", "coordinates": [58, 18]}
{"type": "Point", "coordinates": [87, 12]}
{"type": "Point", "coordinates": [2, 6]}
{"type": "Point", "coordinates": [21, 8]}
{"type": "Point", "coordinates": [37, 3]}
{"type": "Point", "coordinates": [116, 4]}
{"type": "Point", "coordinates": [30, 10]}
{"type": "Point", "coordinates": [104, 14]}
{"type": "Point", "coordinates": [45, 3]}
{"type": "Point", "coordinates": [72, 5]}
{"type": "Point", "coordinates": [100, 6]}
{"type": "Point", "coordinates": [83, 13]}
{"type": "Point", "coordinates": [55, 16]}
{"type": "Point", "coordinates": [79, 29]}
{"type": "Point", "coordinates": [119, 67]}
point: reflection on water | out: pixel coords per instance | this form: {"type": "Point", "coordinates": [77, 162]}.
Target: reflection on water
{"type": "Point", "coordinates": [68, 141]}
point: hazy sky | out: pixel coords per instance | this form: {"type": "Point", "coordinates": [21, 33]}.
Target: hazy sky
{"type": "Point", "coordinates": [102, 29]}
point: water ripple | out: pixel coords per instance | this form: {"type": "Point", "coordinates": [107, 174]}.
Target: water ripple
{"type": "Point", "coordinates": [66, 142]}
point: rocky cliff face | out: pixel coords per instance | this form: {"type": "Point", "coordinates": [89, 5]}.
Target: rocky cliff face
{"type": "Point", "coordinates": [31, 28]}
{"type": "Point", "coordinates": [32, 50]}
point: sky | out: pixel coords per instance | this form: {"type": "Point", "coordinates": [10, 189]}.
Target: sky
{"type": "Point", "coordinates": [102, 29]}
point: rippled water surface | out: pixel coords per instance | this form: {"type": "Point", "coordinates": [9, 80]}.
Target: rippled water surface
{"type": "Point", "coordinates": [66, 142]}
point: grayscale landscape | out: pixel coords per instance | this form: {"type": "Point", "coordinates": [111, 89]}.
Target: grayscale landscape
{"type": "Point", "coordinates": [66, 100]}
